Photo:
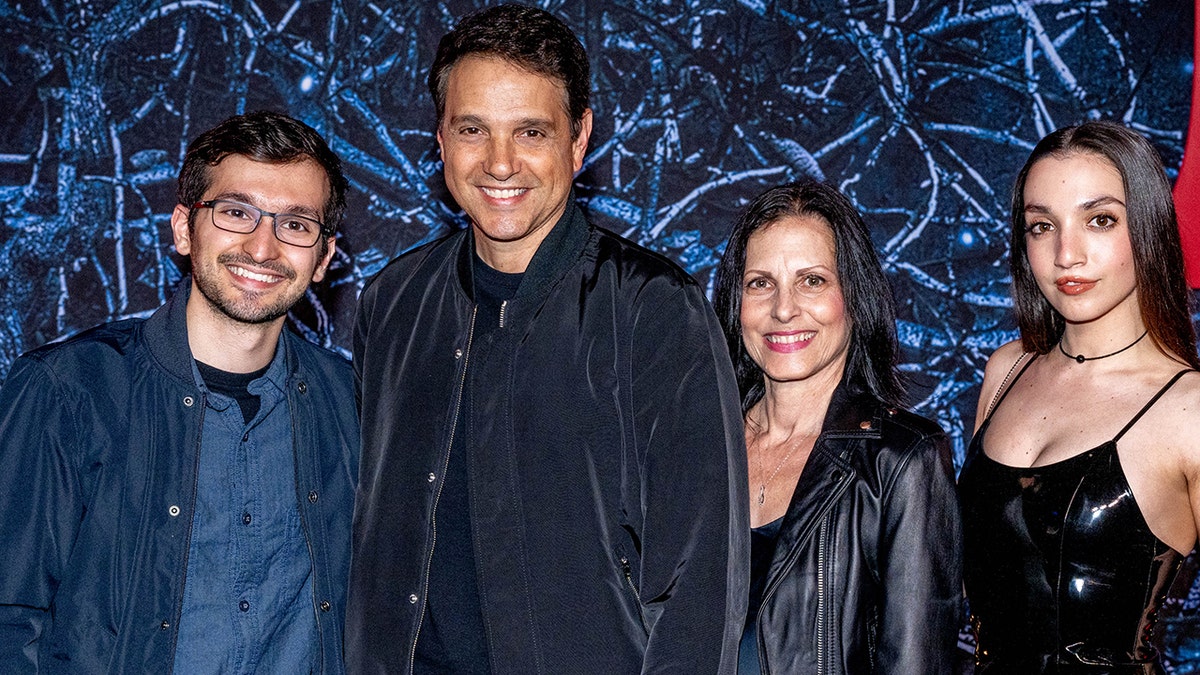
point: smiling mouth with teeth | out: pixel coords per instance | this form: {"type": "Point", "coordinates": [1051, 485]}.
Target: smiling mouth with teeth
{"type": "Point", "coordinates": [791, 339]}
{"type": "Point", "coordinates": [506, 193]}
{"type": "Point", "coordinates": [265, 278]}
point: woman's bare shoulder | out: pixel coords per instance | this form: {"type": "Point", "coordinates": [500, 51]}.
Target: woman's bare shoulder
{"type": "Point", "coordinates": [1003, 359]}
{"type": "Point", "coordinates": [1000, 365]}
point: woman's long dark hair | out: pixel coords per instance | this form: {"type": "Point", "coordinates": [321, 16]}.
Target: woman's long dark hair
{"type": "Point", "coordinates": [1153, 237]}
{"type": "Point", "coordinates": [871, 361]}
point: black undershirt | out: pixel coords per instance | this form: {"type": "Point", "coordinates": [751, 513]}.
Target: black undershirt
{"type": "Point", "coordinates": [235, 386]}
{"type": "Point", "coordinates": [452, 637]}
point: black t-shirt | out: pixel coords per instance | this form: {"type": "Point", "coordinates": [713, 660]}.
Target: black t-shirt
{"type": "Point", "coordinates": [452, 637]}
{"type": "Point", "coordinates": [233, 385]}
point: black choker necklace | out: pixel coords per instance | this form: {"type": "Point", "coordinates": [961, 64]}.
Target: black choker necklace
{"type": "Point", "coordinates": [1080, 358]}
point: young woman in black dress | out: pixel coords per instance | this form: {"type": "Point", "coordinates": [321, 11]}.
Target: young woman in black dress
{"type": "Point", "coordinates": [1081, 491]}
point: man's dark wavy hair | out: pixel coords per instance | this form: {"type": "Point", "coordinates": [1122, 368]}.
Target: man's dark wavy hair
{"type": "Point", "coordinates": [874, 349]}
{"type": "Point", "coordinates": [1163, 295]}
{"type": "Point", "coordinates": [527, 37]}
{"type": "Point", "coordinates": [263, 136]}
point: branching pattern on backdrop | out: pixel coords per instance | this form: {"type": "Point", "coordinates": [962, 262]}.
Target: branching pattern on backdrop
{"type": "Point", "coordinates": [921, 111]}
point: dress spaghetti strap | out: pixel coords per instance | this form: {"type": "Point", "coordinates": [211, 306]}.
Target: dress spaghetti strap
{"type": "Point", "coordinates": [1150, 403]}
{"type": "Point", "coordinates": [1002, 393]}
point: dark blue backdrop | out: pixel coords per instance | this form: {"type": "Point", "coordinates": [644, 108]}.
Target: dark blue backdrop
{"type": "Point", "coordinates": [921, 111]}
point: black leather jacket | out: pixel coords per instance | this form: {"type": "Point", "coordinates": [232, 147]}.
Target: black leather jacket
{"type": "Point", "coordinates": [605, 451]}
{"type": "Point", "coordinates": [866, 575]}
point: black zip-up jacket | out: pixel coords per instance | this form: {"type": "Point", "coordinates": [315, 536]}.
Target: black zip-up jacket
{"type": "Point", "coordinates": [867, 571]}
{"type": "Point", "coordinates": [605, 453]}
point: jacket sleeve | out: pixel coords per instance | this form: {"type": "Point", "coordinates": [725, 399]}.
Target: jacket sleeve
{"type": "Point", "coordinates": [695, 538]}
{"type": "Point", "coordinates": [920, 563]}
{"type": "Point", "coordinates": [40, 506]}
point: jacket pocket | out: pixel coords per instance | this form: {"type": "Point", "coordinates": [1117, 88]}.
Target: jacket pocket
{"type": "Point", "coordinates": [81, 646]}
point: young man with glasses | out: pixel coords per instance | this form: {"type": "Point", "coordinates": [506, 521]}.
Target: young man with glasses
{"type": "Point", "coordinates": [177, 491]}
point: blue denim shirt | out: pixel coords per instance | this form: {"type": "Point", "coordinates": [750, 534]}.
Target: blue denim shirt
{"type": "Point", "coordinates": [248, 599]}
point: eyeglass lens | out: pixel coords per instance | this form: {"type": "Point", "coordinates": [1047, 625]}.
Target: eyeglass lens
{"type": "Point", "coordinates": [289, 228]}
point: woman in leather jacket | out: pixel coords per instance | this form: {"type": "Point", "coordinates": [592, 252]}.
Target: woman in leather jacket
{"type": "Point", "coordinates": [855, 556]}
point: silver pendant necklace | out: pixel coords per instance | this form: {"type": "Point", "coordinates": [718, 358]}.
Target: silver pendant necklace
{"type": "Point", "coordinates": [762, 486]}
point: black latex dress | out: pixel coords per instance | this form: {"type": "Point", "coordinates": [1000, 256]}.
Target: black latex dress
{"type": "Point", "coordinates": [1061, 571]}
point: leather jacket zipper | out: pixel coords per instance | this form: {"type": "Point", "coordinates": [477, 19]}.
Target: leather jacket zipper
{"type": "Point", "coordinates": [462, 380]}
{"type": "Point", "coordinates": [822, 602]}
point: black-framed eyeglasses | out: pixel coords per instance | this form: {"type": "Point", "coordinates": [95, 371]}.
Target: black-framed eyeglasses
{"type": "Point", "coordinates": [290, 228]}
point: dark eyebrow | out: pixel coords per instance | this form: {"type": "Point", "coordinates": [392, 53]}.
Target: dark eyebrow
{"type": "Point", "coordinates": [291, 210]}
{"type": "Point", "coordinates": [473, 120]}
{"type": "Point", "coordinates": [536, 122]}
{"type": "Point", "coordinates": [1103, 200]}
{"type": "Point", "coordinates": [523, 123]}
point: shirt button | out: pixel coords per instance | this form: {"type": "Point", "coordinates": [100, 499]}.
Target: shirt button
{"type": "Point", "coordinates": [245, 437]}
{"type": "Point", "coordinates": [246, 519]}
{"type": "Point", "coordinates": [457, 354]}
{"type": "Point", "coordinates": [865, 424]}
{"type": "Point", "coordinates": [166, 625]}
{"type": "Point", "coordinates": [432, 477]}
{"type": "Point", "coordinates": [189, 401]}
{"type": "Point", "coordinates": [412, 599]}
{"type": "Point", "coordinates": [312, 497]}
{"type": "Point", "coordinates": [244, 605]}
{"type": "Point", "coordinates": [173, 510]}
{"type": "Point", "coordinates": [302, 387]}
{"type": "Point", "coordinates": [325, 606]}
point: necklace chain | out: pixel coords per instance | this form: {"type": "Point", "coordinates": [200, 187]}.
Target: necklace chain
{"type": "Point", "coordinates": [1080, 358]}
{"type": "Point", "coordinates": [762, 486]}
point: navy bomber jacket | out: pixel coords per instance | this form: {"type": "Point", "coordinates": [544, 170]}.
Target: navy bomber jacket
{"type": "Point", "coordinates": [99, 442]}
{"type": "Point", "coordinates": [605, 452]}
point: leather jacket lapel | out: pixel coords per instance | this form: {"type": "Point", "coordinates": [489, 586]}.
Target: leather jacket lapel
{"type": "Point", "coordinates": [824, 478]}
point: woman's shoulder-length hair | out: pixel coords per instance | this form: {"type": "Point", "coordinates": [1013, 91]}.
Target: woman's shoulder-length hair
{"type": "Point", "coordinates": [871, 309]}
{"type": "Point", "coordinates": [1163, 294]}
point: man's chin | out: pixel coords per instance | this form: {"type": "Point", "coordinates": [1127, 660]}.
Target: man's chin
{"type": "Point", "coordinates": [252, 315]}
{"type": "Point", "coordinates": [246, 310]}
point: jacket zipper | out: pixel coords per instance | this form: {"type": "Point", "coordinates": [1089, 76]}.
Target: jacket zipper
{"type": "Point", "coordinates": [503, 307]}
{"type": "Point", "coordinates": [187, 544]}
{"type": "Point", "coordinates": [822, 563]}
{"type": "Point", "coordinates": [462, 380]}
{"type": "Point", "coordinates": [628, 572]}
{"type": "Point", "coordinates": [822, 603]}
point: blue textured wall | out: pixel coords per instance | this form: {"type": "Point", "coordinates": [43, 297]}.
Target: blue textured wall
{"type": "Point", "coordinates": [921, 111]}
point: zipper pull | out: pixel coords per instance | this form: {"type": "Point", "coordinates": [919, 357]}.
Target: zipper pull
{"type": "Point", "coordinates": [503, 306]}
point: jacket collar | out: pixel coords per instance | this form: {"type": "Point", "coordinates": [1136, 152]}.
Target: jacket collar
{"type": "Point", "coordinates": [853, 414]}
{"type": "Point", "coordinates": [167, 336]}
{"type": "Point", "coordinates": [555, 255]}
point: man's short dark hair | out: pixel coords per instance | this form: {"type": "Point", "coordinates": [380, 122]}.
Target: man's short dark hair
{"type": "Point", "coordinates": [263, 136]}
{"type": "Point", "coordinates": [527, 37]}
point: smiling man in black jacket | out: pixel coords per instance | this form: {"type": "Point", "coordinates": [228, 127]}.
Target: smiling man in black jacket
{"type": "Point", "coordinates": [553, 474]}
